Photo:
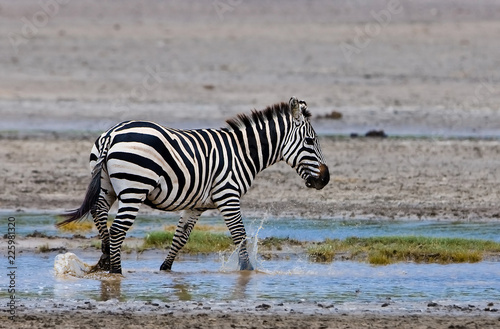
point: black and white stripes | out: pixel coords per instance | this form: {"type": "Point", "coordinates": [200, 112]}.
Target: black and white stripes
{"type": "Point", "coordinates": [138, 162]}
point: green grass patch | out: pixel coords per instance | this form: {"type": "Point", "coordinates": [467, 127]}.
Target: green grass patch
{"type": "Point", "coordinates": [96, 244]}
{"type": "Point", "coordinates": [200, 227]}
{"type": "Point", "coordinates": [388, 250]}
{"type": "Point", "coordinates": [198, 242]}
{"type": "Point", "coordinates": [277, 243]}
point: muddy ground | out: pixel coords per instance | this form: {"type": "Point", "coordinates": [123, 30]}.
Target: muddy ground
{"type": "Point", "coordinates": [72, 69]}
{"type": "Point", "coordinates": [229, 318]}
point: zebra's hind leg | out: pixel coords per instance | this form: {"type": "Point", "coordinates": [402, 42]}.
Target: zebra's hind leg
{"type": "Point", "coordinates": [127, 212]}
{"type": "Point", "coordinates": [182, 232]}
{"type": "Point", "coordinates": [100, 215]}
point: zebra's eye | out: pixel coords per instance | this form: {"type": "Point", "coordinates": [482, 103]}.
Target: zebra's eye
{"type": "Point", "coordinates": [309, 141]}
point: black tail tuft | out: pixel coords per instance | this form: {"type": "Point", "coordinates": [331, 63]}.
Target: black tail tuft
{"type": "Point", "coordinates": [90, 200]}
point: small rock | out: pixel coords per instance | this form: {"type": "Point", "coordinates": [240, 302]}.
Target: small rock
{"type": "Point", "coordinates": [376, 133]}
{"type": "Point", "coordinates": [333, 115]}
{"type": "Point", "coordinates": [432, 304]}
{"type": "Point", "coordinates": [262, 307]}
{"type": "Point", "coordinates": [37, 234]}
{"type": "Point", "coordinates": [489, 309]}
{"type": "Point", "coordinates": [326, 306]}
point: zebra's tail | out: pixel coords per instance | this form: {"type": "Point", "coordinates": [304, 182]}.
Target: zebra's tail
{"type": "Point", "coordinates": [90, 200]}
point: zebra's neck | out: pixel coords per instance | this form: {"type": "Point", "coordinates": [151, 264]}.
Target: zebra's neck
{"type": "Point", "coordinates": [259, 145]}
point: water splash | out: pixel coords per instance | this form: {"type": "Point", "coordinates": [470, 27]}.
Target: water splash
{"type": "Point", "coordinates": [70, 264]}
{"type": "Point", "coordinates": [300, 266]}
{"type": "Point", "coordinates": [231, 263]}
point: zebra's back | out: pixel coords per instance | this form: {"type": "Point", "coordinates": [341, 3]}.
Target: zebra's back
{"type": "Point", "coordinates": [175, 168]}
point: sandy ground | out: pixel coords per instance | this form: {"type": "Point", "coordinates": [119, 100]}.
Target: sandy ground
{"type": "Point", "coordinates": [410, 68]}
{"type": "Point", "coordinates": [370, 178]}
{"type": "Point", "coordinates": [72, 69]}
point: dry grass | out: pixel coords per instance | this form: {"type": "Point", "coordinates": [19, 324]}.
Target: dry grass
{"type": "Point", "coordinates": [77, 227]}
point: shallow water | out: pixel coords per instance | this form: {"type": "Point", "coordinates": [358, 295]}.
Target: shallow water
{"type": "Point", "coordinates": [294, 280]}
{"type": "Point", "coordinates": [297, 228]}
{"type": "Point", "coordinates": [290, 279]}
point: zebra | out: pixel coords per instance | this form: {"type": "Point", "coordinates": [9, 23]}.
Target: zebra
{"type": "Point", "coordinates": [138, 162]}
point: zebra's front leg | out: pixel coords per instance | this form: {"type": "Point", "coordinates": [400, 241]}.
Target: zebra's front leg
{"type": "Point", "coordinates": [184, 227]}
{"type": "Point", "coordinates": [243, 258]}
{"type": "Point", "coordinates": [232, 216]}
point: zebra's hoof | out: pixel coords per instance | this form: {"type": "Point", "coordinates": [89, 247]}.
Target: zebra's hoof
{"type": "Point", "coordinates": [246, 266]}
{"type": "Point", "coordinates": [115, 271]}
{"type": "Point", "coordinates": [103, 263]}
{"type": "Point", "coordinates": [165, 267]}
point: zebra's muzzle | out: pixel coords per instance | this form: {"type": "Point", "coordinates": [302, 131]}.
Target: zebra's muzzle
{"type": "Point", "coordinates": [320, 181]}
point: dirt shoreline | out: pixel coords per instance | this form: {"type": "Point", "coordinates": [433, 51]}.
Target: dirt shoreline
{"type": "Point", "coordinates": [371, 178]}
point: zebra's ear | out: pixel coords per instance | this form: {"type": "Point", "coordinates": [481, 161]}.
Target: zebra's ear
{"type": "Point", "coordinates": [296, 110]}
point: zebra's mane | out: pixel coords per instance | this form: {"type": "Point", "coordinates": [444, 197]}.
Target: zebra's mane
{"type": "Point", "coordinates": [244, 120]}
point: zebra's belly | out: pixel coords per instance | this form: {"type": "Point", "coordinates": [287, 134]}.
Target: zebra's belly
{"type": "Point", "coordinates": [177, 198]}
{"type": "Point", "coordinates": [173, 206]}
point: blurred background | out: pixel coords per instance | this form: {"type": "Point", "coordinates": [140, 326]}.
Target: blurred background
{"type": "Point", "coordinates": [408, 67]}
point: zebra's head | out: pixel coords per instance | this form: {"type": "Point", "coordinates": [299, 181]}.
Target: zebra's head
{"type": "Point", "coordinates": [301, 149]}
